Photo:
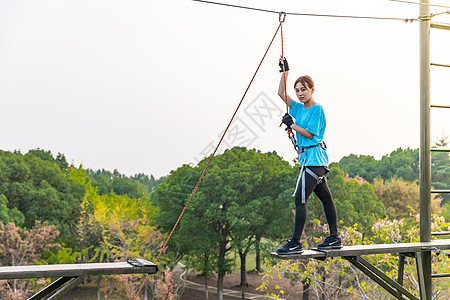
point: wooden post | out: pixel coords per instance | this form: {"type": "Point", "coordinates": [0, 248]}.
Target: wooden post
{"type": "Point", "coordinates": [425, 146]}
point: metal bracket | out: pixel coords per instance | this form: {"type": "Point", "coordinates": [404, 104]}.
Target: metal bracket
{"type": "Point", "coordinates": [390, 285]}
{"type": "Point", "coordinates": [58, 288]}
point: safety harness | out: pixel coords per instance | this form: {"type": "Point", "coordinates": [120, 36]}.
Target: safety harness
{"type": "Point", "coordinates": [304, 169]}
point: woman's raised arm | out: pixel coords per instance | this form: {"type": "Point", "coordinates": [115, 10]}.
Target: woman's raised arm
{"type": "Point", "coordinates": [282, 88]}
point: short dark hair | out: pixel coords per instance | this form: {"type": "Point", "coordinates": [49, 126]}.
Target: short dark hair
{"type": "Point", "coordinates": [306, 81]}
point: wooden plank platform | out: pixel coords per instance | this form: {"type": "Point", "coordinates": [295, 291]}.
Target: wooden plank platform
{"type": "Point", "coordinates": [369, 250]}
{"type": "Point", "coordinates": [73, 270]}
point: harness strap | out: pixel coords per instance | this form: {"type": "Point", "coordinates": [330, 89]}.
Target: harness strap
{"type": "Point", "coordinates": [301, 177]}
{"type": "Point", "coordinates": [322, 145]}
{"type": "Point", "coordinates": [314, 175]}
{"type": "Point", "coordinates": [298, 180]}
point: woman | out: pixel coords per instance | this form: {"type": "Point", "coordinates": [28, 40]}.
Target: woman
{"type": "Point", "coordinates": [309, 127]}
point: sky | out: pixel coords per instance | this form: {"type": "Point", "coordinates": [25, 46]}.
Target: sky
{"type": "Point", "coordinates": [147, 86]}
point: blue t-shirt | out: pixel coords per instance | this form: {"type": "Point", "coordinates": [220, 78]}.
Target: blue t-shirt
{"type": "Point", "coordinates": [313, 120]}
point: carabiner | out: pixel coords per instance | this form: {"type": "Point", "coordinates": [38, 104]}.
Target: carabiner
{"type": "Point", "coordinates": [282, 16]}
{"type": "Point", "coordinates": [293, 140]}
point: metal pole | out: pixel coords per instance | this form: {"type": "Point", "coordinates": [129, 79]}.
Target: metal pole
{"type": "Point", "coordinates": [425, 146]}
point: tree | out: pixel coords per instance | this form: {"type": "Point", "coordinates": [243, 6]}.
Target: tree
{"type": "Point", "coordinates": [398, 196]}
{"type": "Point", "coordinates": [402, 163]}
{"type": "Point", "coordinates": [355, 203]}
{"type": "Point", "coordinates": [20, 247]}
{"type": "Point", "coordinates": [137, 186]}
{"type": "Point", "coordinates": [8, 215]}
{"type": "Point", "coordinates": [237, 198]}
{"type": "Point", "coordinates": [127, 226]}
{"type": "Point", "coordinates": [215, 207]}
{"type": "Point", "coordinates": [60, 159]}
{"type": "Point", "coordinates": [363, 165]}
{"type": "Point", "coordinates": [35, 185]}
{"type": "Point", "coordinates": [116, 227]}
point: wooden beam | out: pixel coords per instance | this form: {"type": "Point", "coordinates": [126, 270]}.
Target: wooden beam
{"type": "Point", "coordinates": [46, 271]}
{"type": "Point", "coordinates": [440, 26]}
{"type": "Point", "coordinates": [369, 250]}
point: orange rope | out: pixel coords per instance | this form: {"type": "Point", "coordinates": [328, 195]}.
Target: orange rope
{"type": "Point", "coordinates": [289, 131]}
{"type": "Point", "coordinates": [211, 158]}
{"type": "Point", "coordinates": [284, 70]}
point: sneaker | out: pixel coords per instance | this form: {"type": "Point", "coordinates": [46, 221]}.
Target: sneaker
{"type": "Point", "coordinates": [331, 242]}
{"type": "Point", "coordinates": [291, 247]}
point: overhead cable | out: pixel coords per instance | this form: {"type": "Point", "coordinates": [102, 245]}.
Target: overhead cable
{"type": "Point", "coordinates": [428, 17]}
{"type": "Point", "coordinates": [425, 4]}
{"type": "Point", "coordinates": [307, 14]}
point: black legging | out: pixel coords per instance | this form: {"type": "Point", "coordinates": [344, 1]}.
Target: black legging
{"type": "Point", "coordinates": [323, 192]}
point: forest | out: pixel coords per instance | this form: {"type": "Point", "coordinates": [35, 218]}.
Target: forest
{"type": "Point", "coordinates": [52, 212]}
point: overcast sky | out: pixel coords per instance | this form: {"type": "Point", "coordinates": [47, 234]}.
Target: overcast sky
{"type": "Point", "coordinates": [146, 86]}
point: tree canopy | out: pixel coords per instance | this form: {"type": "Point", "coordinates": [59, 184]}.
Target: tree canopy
{"type": "Point", "coordinates": [236, 202]}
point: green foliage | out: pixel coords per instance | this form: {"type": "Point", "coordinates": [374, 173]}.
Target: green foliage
{"type": "Point", "coordinates": [237, 200]}
{"type": "Point", "coordinates": [446, 211]}
{"type": "Point", "coordinates": [338, 279]}
{"type": "Point", "coordinates": [10, 215]}
{"type": "Point", "coordinates": [355, 203]}
{"type": "Point", "coordinates": [363, 165]}
{"type": "Point", "coordinates": [35, 185]}
{"type": "Point", "coordinates": [400, 196]}
{"type": "Point", "coordinates": [116, 227]}
{"type": "Point", "coordinates": [137, 186]}
{"type": "Point", "coordinates": [440, 166]}
{"type": "Point", "coordinates": [60, 159]}
{"type": "Point", "coordinates": [399, 163]}
{"type": "Point", "coordinates": [244, 203]}
{"type": "Point", "coordinates": [62, 256]}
